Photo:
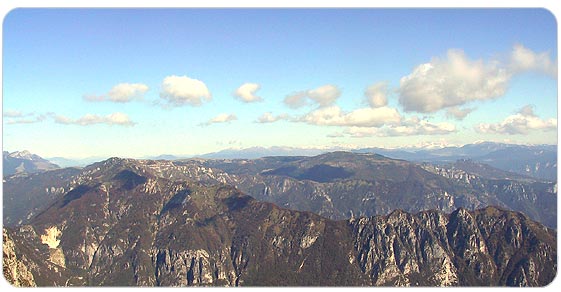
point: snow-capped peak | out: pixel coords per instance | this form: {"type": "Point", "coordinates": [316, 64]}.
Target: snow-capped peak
{"type": "Point", "coordinates": [22, 154]}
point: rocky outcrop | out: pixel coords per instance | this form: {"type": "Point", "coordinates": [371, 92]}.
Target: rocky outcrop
{"type": "Point", "coordinates": [15, 270]}
{"type": "Point", "coordinates": [341, 185]}
{"type": "Point", "coordinates": [122, 225]}
{"type": "Point", "coordinates": [485, 247]}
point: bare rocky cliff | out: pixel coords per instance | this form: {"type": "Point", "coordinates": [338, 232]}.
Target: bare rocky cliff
{"type": "Point", "coordinates": [15, 269]}
{"type": "Point", "coordinates": [121, 224]}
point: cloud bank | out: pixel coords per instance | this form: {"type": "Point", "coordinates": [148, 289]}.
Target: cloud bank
{"type": "Point", "coordinates": [523, 122]}
{"type": "Point", "coordinates": [363, 117]}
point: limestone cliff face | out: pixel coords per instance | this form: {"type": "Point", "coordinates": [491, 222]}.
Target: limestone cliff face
{"type": "Point", "coordinates": [15, 270]}
{"type": "Point", "coordinates": [122, 225]}
{"type": "Point", "coordinates": [485, 247]}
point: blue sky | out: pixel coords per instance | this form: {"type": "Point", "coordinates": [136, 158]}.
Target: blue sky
{"type": "Point", "coordinates": [140, 82]}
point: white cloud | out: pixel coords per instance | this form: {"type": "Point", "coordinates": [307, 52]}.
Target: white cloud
{"type": "Point", "coordinates": [450, 82]}
{"type": "Point", "coordinates": [126, 92]}
{"type": "Point", "coordinates": [268, 117]}
{"type": "Point", "coordinates": [379, 121]}
{"type": "Point", "coordinates": [456, 80]}
{"type": "Point", "coordinates": [296, 100]}
{"type": "Point", "coordinates": [18, 117]}
{"type": "Point", "coordinates": [363, 117]}
{"type": "Point", "coordinates": [37, 119]}
{"type": "Point", "coordinates": [246, 92]}
{"type": "Point", "coordinates": [458, 113]}
{"type": "Point", "coordinates": [411, 127]}
{"type": "Point", "coordinates": [323, 96]}
{"type": "Point", "coordinates": [122, 92]}
{"type": "Point", "coordinates": [376, 94]}
{"type": "Point", "coordinates": [119, 119]}
{"type": "Point", "coordinates": [415, 126]}
{"type": "Point", "coordinates": [182, 90]}
{"type": "Point", "coordinates": [523, 122]}
{"type": "Point", "coordinates": [13, 114]}
{"type": "Point", "coordinates": [221, 118]}
{"type": "Point", "coordinates": [523, 59]}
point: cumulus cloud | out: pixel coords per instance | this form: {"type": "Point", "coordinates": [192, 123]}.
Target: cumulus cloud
{"type": "Point", "coordinates": [450, 82]}
{"type": "Point", "coordinates": [523, 122]}
{"type": "Point", "coordinates": [363, 117]}
{"type": "Point", "coordinates": [456, 80]}
{"type": "Point", "coordinates": [122, 92]}
{"type": "Point", "coordinates": [182, 90]}
{"type": "Point", "coordinates": [221, 118]}
{"type": "Point", "coordinates": [458, 113]}
{"type": "Point", "coordinates": [268, 117]}
{"type": "Point", "coordinates": [246, 92]}
{"type": "Point", "coordinates": [376, 94]}
{"type": "Point", "coordinates": [323, 96]}
{"type": "Point", "coordinates": [118, 119]}
{"type": "Point", "coordinates": [523, 59]}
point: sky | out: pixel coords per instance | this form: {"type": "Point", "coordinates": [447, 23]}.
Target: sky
{"type": "Point", "coordinates": [144, 82]}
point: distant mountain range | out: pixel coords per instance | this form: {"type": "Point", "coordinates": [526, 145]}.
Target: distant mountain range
{"type": "Point", "coordinates": [258, 152]}
{"type": "Point", "coordinates": [20, 162]}
{"type": "Point", "coordinates": [539, 161]}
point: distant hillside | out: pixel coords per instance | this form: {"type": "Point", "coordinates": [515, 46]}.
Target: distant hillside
{"type": "Point", "coordinates": [20, 162]}
{"type": "Point", "coordinates": [539, 161]}
{"type": "Point", "coordinates": [340, 185]}
{"type": "Point", "coordinates": [486, 171]}
{"type": "Point", "coordinates": [258, 152]}
{"type": "Point", "coordinates": [80, 162]}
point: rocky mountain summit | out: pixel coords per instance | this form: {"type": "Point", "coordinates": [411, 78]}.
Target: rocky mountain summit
{"type": "Point", "coordinates": [23, 162]}
{"type": "Point", "coordinates": [124, 222]}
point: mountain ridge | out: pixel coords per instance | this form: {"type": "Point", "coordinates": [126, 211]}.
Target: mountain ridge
{"type": "Point", "coordinates": [24, 162]}
{"type": "Point", "coordinates": [128, 222]}
{"type": "Point", "coordinates": [247, 242]}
